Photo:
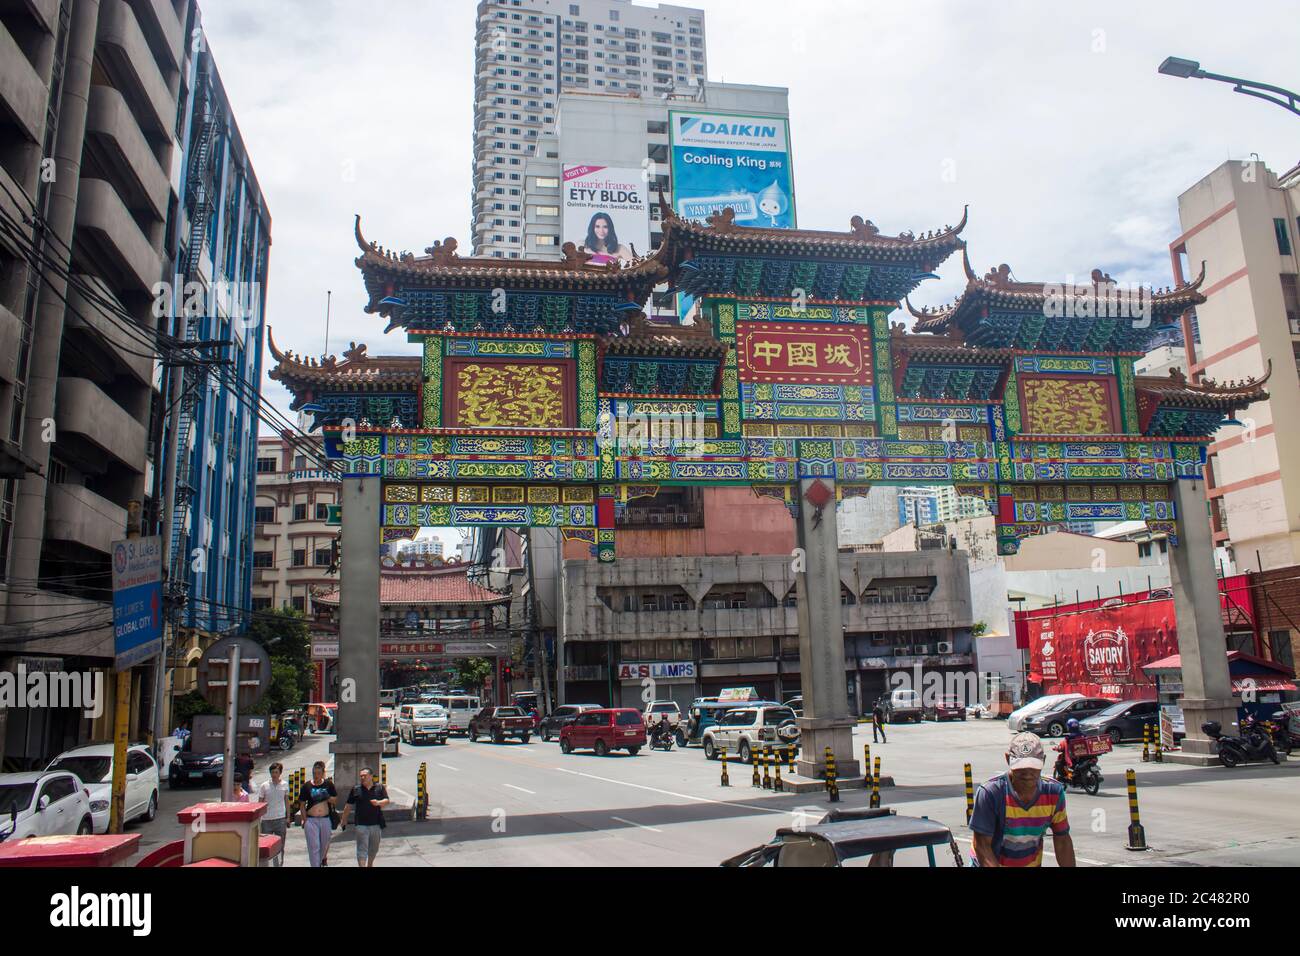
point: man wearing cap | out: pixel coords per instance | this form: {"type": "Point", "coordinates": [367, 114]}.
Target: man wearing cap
{"type": "Point", "coordinates": [1014, 811]}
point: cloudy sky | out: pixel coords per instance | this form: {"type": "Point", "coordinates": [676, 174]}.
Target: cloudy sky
{"type": "Point", "coordinates": [1049, 119]}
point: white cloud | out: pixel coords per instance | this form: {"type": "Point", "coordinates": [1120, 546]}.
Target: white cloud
{"type": "Point", "coordinates": [1068, 145]}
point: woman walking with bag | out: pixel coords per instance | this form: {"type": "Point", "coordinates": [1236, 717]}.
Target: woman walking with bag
{"type": "Point", "coordinates": [318, 814]}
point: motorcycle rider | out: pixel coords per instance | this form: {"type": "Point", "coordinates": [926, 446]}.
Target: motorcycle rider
{"type": "Point", "coordinates": [1065, 762]}
{"type": "Point", "coordinates": [658, 731]}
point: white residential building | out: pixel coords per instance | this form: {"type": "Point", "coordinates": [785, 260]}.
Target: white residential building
{"type": "Point", "coordinates": [527, 53]}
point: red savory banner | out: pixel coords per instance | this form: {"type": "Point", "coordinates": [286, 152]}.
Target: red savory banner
{"type": "Point", "coordinates": [804, 353]}
{"type": "Point", "coordinates": [1101, 652]}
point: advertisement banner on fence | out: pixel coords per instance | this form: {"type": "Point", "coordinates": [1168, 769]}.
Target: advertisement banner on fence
{"type": "Point", "coordinates": [1101, 653]}
{"type": "Point", "coordinates": [606, 212]}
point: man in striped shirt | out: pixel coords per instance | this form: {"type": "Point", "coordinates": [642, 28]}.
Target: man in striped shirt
{"type": "Point", "coordinates": [1014, 811]}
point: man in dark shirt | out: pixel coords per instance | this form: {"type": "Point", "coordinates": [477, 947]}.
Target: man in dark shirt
{"type": "Point", "coordinates": [369, 798]}
{"type": "Point", "coordinates": [878, 723]}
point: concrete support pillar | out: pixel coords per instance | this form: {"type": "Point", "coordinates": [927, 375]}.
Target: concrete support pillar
{"type": "Point", "coordinates": [43, 368]}
{"type": "Point", "coordinates": [826, 721]}
{"type": "Point", "coordinates": [1207, 688]}
{"type": "Point", "coordinates": [357, 744]}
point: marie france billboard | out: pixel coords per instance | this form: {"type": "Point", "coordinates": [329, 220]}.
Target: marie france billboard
{"type": "Point", "coordinates": [743, 162]}
{"type": "Point", "coordinates": [606, 211]}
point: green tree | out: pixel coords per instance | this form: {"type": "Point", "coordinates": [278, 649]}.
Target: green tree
{"type": "Point", "coordinates": [472, 671]}
{"type": "Point", "coordinates": [285, 635]}
{"type": "Point", "coordinates": [185, 708]}
{"type": "Point", "coordinates": [284, 692]}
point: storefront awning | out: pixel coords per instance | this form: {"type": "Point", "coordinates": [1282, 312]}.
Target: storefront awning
{"type": "Point", "coordinates": [1261, 685]}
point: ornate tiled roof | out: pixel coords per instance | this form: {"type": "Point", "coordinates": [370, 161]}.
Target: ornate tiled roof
{"type": "Point", "coordinates": [386, 271]}
{"type": "Point", "coordinates": [863, 241]}
{"type": "Point", "coordinates": [996, 289]}
{"type": "Point", "coordinates": [357, 371]}
{"type": "Point", "coordinates": [1175, 391]}
{"type": "Point", "coordinates": [646, 338]}
{"type": "Point", "coordinates": [447, 586]}
{"type": "Point", "coordinates": [945, 349]}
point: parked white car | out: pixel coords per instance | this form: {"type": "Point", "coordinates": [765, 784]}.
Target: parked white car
{"type": "Point", "coordinates": [43, 804]}
{"type": "Point", "coordinates": [93, 766]}
{"type": "Point", "coordinates": [747, 729]}
{"type": "Point", "coordinates": [1016, 720]}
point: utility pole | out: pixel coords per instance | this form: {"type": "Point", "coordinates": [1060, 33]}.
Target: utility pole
{"type": "Point", "coordinates": [122, 711]}
{"type": "Point", "coordinates": [536, 640]}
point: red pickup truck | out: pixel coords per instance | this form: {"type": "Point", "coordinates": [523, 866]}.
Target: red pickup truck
{"type": "Point", "coordinates": [498, 723]}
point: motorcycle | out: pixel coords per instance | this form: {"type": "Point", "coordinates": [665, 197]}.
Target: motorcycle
{"type": "Point", "coordinates": [1278, 729]}
{"type": "Point", "coordinates": [1236, 750]}
{"type": "Point", "coordinates": [1084, 773]}
{"type": "Point", "coordinates": [662, 739]}
{"type": "Point", "coordinates": [1287, 733]}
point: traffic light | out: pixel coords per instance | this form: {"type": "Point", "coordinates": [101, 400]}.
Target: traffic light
{"type": "Point", "coordinates": [505, 672]}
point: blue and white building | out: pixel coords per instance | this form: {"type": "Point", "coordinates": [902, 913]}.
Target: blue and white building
{"type": "Point", "coordinates": [221, 241]}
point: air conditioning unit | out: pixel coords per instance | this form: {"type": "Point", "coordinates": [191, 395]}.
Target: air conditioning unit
{"type": "Point", "coordinates": [943, 647]}
{"type": "Point", "coordinates": [921, 650]}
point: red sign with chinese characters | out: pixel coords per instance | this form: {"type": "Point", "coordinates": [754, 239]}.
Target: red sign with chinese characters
{"type": "Point", "coordinates": [1101, 652]}
{"type": "Point", "coordinates": [391, 649]}
{"type": "Point", "coordinates": [804, 353]}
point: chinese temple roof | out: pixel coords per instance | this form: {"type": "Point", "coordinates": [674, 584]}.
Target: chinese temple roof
{"type": "Point", "coordinates": [997, 291]}
{"type": "Point", "coordinates": [444, 586]}
{"type": "Point", "coordinates": [944, 349]}
{"type": "Point", "coordinates": [386, 273]}
{"type": "Point", "coordinates": [357, 372]}
{"type": "Point", "coordinates": [863, 242]}
{"type": "Point", "coordinates": [645, 338]}
{"type": "Point", "coordinates": [1176, 391]}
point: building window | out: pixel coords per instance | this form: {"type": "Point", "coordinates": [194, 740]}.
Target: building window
{"type": "Point", "coordinates": [263, 559]}
{"type": "Point", "coordinates": [1144, 549]}
{"type": "Point", "coordinates": [300, 512]}
{"type": "Point", "coordinates": [322, 512]}
{"type": "Point", "coordinates": [546, 240]}
{"type": "Point", "coordinates": [323, 557]}
{"type": "Point", "coordinates": [300, 605]}
{"type": "Point", "coordinates": [264, 514]}
{"type": "Point", "coordinates": [300, 558]}
{"type": "Point", "coordinates": [1291, 301]}
{"type": "Point", "coordinates": [261, 604]}
{"type": "Point", "coordinates": [265, 466]}
{"type": "Point", "coordinates": [1283, 237]}
{"type": "Point", "coordinates": [546, 182]}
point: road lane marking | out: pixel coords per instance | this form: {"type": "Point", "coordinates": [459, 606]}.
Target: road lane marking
{"type": "Point", "coordinates": [520, 789]}
{"type": "Point", "coordinates": [447, 767]}
{"type": "Point", "coordinates": [633, 823]}
{"type": "Point", "coordinates": [682, 796]}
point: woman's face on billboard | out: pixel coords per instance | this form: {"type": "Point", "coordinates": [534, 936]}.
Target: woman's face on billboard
{"type": "Point", "coordinates": [601, 228]}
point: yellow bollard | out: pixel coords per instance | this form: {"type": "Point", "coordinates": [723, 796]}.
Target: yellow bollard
{"type": "Point", "coordinates": [970, 794]}
{"type": "Point", "coordinates": [767, 768]}
{"type": "Point", "coordinates": [726, 780]}
{"type": "Point", "coordinates": [790, 752]}
{"type": "Point", "coordinates": [1159, 755]}
{"type": "Point", "coordinates": [1146, 742]}
{"type": "Point", "coordinates": [866, 766]}
{"type": "Point", "coordinates": [755, 780]}
{"type": "Point", "coordinates": [832, 782]}
{"type": "Point", "coordinates": [776, 780]}
{"type": "Point", "coordinates": [1137, 835]}
{"type": "Point", "coordinates": [875, 786]}
{"type": "Point", "coordinates": [383, 774]}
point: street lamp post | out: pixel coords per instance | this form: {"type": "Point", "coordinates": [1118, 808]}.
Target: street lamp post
{"type": "Point", "coordinates": [1190, 69]}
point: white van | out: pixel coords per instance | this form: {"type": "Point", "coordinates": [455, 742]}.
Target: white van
{"type": "Point", "coordinates": [388, 698]}
{"type": "Point", "coordinates": [459, 711]}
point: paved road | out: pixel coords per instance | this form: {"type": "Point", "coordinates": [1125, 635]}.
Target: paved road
{"type": "Point", "coordinates": [517, 804]}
